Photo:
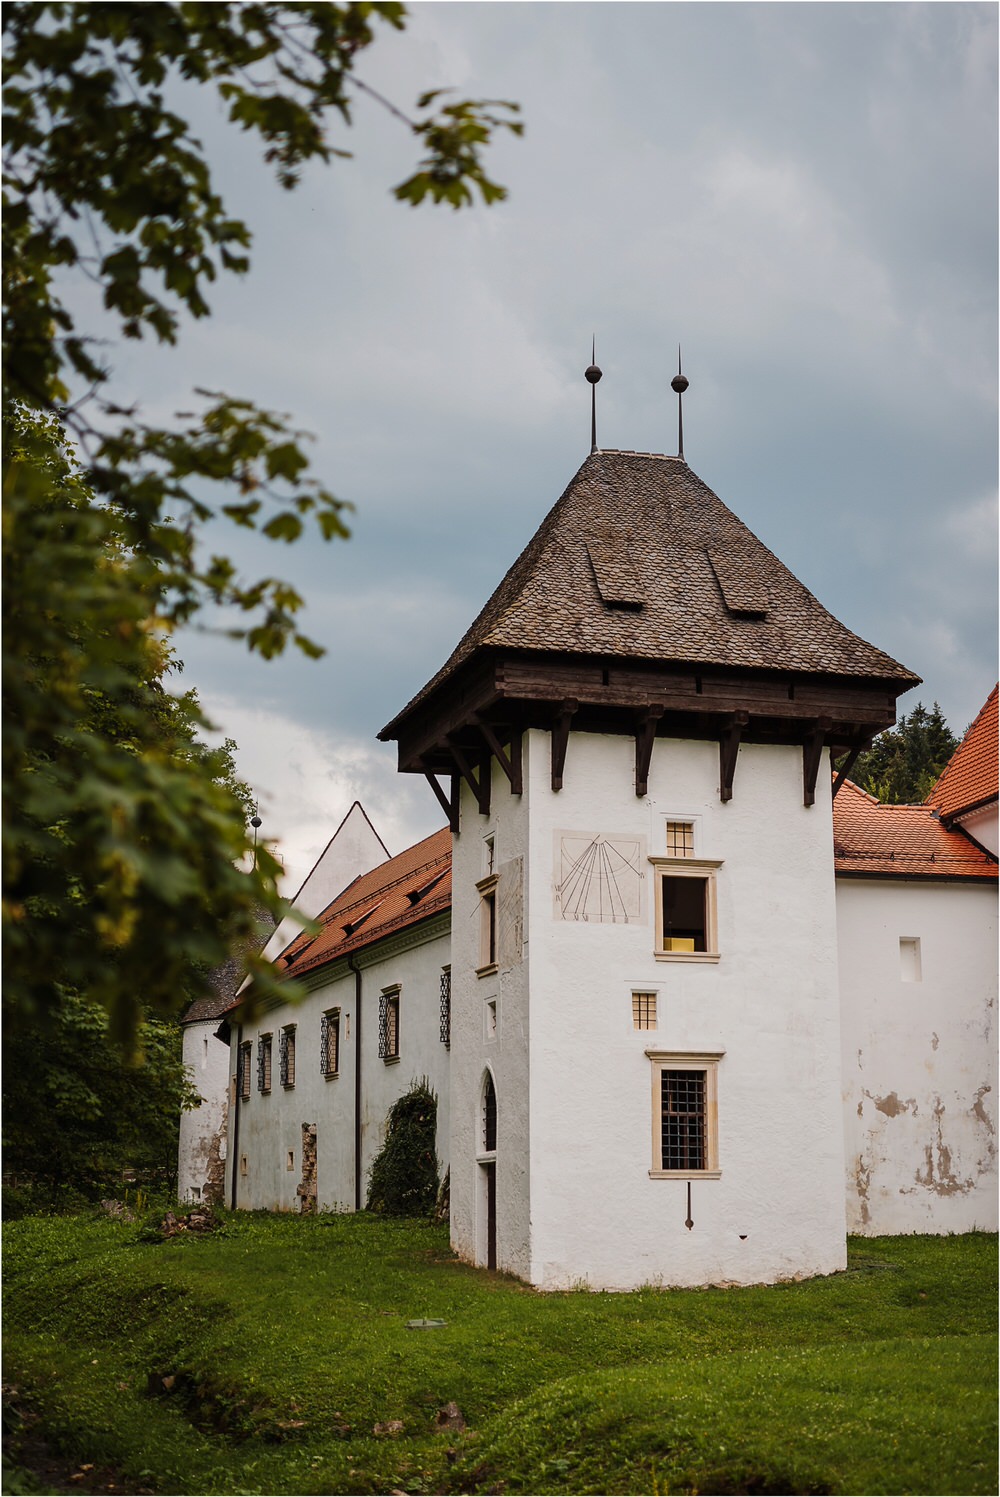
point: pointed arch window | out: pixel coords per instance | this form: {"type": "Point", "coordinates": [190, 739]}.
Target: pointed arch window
{"type": "Point", "coordinates": [489, 1116]}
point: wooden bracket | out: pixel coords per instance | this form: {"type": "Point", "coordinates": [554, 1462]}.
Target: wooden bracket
{"type": "Point", "coordinates": [644, 734]}
{"type": "Point", "coordinates": [846, 767]}
{"type": "Point", "coordinates": [729, 747]}
{"type": "Point", "coordinates": [449, 807]}
{"type": "Point", "coordinates": [510, 764]}
{"type": "Point", "coordinates": [480, 787]}
{"type": "Point", "coordinates": [812, 754]}
{"type": "Point", "coordinates": [560, 740]}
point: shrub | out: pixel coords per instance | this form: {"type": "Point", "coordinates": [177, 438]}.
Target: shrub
{"type": "Point", "coordinates": [403, 1180]}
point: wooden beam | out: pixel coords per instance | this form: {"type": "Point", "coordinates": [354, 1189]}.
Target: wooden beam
{"type": "Point", "coordinates": [481, 787]}
{"type": "Point", "coordinates": [729, 747]}
{"type": "Point", "coordinates": [505, 763]}
{"type": "Point", "coordinates": [449, 807]}
{"type": "Point", "coordinates": [485, 781]}
{"type": "Point", "coordinates": [846, 766]}
{"type": "Point", "coordinates": [560, 740]}
{"type": "Point", "coordinates": [516, 762]}
{"type": "Point", "coordinates": [812, 754]}
{"type": "Point", "coordinates": [644, 735]}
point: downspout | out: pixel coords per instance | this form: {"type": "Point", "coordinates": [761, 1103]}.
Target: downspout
{"type": "Point", "coordinates": [235, 1162]}
{"type": "Point", "coordinates": [357, 1081]}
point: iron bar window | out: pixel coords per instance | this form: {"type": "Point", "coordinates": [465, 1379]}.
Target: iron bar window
{"type": "Point", "coordinates": [388, 1025]}
{"type": "Point", "coordinates": [264, 1063]}
{"type": "Point", "coordinates": [329, 1042]}
{"type": "Point", "coordinates": [489, 1115]}
{"type": "Point", "coordinates": [682, 1133]}
{"type": "Point", "coordinates": [243, 1071]}
{"type": "Point", "coordinates": [286, 1056]}
{"type": "Point", "coordinates": [445, 1014]}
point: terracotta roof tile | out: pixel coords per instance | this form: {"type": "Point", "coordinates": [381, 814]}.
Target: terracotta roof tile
{"type": "Point", "coordinates": [970, 776]}
{"type": "Point", "coordinates": [703, 579]}
{"type": "Point", "coordinates": [385, 898]}
{"type": "Point", "coordinates": [900, 841]}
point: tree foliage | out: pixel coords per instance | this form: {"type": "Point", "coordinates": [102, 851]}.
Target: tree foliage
{"type": "Point", "coordinates": [904, 763]}
{"type": "Point", "coordinates": [403, 1180]}
{"type": "Point", "coordinates": [125, 835]}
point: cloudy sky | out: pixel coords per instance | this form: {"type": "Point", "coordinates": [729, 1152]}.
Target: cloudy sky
{"type": "Point", "coordinates": [802, 195]}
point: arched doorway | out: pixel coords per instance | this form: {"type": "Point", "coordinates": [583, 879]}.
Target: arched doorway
{"type": "Point", "coordinates": [487, 1153]}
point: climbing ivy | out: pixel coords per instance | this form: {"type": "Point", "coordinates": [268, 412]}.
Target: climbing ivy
{"type": "Point", "coordinates": [403, 1180]}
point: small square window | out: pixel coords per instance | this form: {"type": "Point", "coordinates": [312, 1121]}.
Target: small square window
{"type": "Point", "coordinates": [388, 1025]}
{"type": "Point", "coordinates": [491, 1019]}
{"type": "Point", "coordinates": [329, 1043]}
{"type": "Point", "coordinates": [685, 1115]}
{"type": "Point", "coordinates": [680, 839]}
{"type": "Point", "coordinates": [286, 1056]}
{"type": "Point", "coordinates": [685, 900]}
{"type": "Point", "coordinates": [487, 925]}
{"type": "Point", "coordinates": [643, 1010]}
{"type": "Point", "coordinates": [244, 1167]}
{"type": "Point", "coordinates": [909, 959]}
{"type": "Point", "coordinates": [290, 1160]}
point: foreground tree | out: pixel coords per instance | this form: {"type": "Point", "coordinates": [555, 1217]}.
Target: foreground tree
{"type": "Point", "coordinates": [123, 844]}
{"type": "Point", "coordinates": [905, 762]}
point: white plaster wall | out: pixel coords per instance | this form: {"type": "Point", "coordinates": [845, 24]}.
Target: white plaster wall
{"type": "Point", "coordinates": [771, 1003]}
{"type": "Point", "coordinates": [202, 1141]}
{"type": "Point", "coordinates": [270, 1125]}
{"type": "Point", "coordinates": [983, 826]}
{"type": "Point", "coordinates": [919, 1058]}
{"type": "Point", "coordinates": [474, 1049]}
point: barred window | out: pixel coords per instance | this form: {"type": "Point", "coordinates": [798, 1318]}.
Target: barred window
{"type": "Point", "coordinates": [445, 1015]}
{"type": "Point", "coordinates": [286, 1055]}
{"type": "Point", "coordinates": [643, 1010]}
{"type": "Point", "coordinates": [388, 1024]}
{"type": "Point", "coordinates": [243, 1071]}
{"type": "Point", "coordinates": [264, 1063]}
{"type": "Point", "coordinates": [680, 839]}
{"type": "Point", "coordinates": [685, 1114]}
{"type": "Point", "coordinates": [489, 1116]}
{"type": "Point", "coordinates": [329, 1042]}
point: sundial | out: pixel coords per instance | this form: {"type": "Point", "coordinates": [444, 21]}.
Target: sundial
{"type": "Point", "coordinates": [599, 877]}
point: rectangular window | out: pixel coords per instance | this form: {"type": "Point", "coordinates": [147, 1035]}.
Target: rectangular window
{"type": "Point", "coordinates": [685, 899]}
{"type": "Point", "coordinates": [680, 839]}
{"type": "Point", "coordinates": [445, 1010]}
{"type": "Point", "coordinates": [264, 1063]}
{"type": "Point", "coordinates": [487, 925]}
{"type": "Point", "coordinates": [685, 1115]}
{"type": "Point", "coordinates": [909, 959]}
{"type": "Point", "coordinates": [388, 1024]}
{"type": "Point", "coordinates": [329, 1043]}
{"type": "Point", "coordinates": [286, 1055]}
{"type": "Point", "coordinates": [243, 1071]}
{"type": "Point", "coordinates": [643, 1010]}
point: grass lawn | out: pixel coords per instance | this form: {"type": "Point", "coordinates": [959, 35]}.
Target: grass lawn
{"type": "Point", "coordinates": [285, 1341]}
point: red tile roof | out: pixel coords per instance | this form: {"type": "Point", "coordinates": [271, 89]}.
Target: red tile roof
{"type": "Point", "coordinates": [392, 897]}
{"type": "Point", "coordinates": [970, 776]}
{"type": "Point", "coordinates": [900, 841]}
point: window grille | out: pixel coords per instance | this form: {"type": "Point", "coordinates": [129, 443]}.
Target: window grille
{"type": "Point", "coordinates": [286, 1056]}
{"type": "Point", "coordinates": [489, 1116]}
{"type": "Point", "coordinates": [243, 1071]}
{"type": "Point", "coordinates": [682, 1135]}
{"type": "Point", "coordinates": [445, 1026]}
{"type": "Point", "coordinates": [643, 1010]}
{"type": "Point", "coordinates": [388, 1026]}
{"type": "Point", "coordinates": [264, 1063]}
{"type": "Point", "coordinates": [329, 1042]}
{"type": "Point", "coordinates": [680, 839]}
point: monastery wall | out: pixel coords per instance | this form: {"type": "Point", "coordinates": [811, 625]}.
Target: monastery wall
{"type": "Point", "coordinates": [918, 988]}
{"type": "Point", "coordinates": [201, 1149]}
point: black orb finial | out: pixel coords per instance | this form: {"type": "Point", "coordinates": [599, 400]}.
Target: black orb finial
{"type": "Point", "coordinates": [592, 375]}
{"type": "Point", "coordinates": [679, 384]}
{"type": "Point", "coordinates": [255, 822]}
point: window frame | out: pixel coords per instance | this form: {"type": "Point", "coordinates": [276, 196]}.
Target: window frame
{"type": "Point", "coordinates": [705, 870]}
{"type": "Point", "coordinates": [265, 1063]}
{"type": "Point", "coordinates": [329, 1025]}
{"type": "Point", "coordinates": [244, 1060]}
{"type": "Point", "coordinates": [388, 1003]}
{"type": "Point", "coordinates": [286, 1056]}
{"type": "Point", "coordinates": [707, 1062]}
{"type": "Point", "coordinates": [645, 999]}
{"type": "Point", "coordinates": [487, 888]}
{"type": "Point", "coordinates": [444, 1008]}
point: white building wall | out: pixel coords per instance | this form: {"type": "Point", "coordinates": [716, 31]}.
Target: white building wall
{"type": "Point", "coordinates": [270, 1126]}
{"type": "Point", "coordinates": [770, 1003]}
{"type": "Point", "coordinates": [477, 1045]}
{"type": "Point", "coordinates": [201, 1149]}
{"type": "Point", "coordinates": [919, 1054]}
{"type": "Point", "coordinates": [983, 827]}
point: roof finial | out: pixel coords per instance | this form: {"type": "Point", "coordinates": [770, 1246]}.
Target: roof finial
{"type": "Point", "coordinates": [593, 374]}
{"type": "Point", "coordinates": [680, 384]}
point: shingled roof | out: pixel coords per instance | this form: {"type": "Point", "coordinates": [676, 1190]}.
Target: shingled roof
{"type": "Point", "coordinates": [872, 840]}
{"type": "Point", "coordinates": [970, 776]}
{"type": "Point", "coordinates": [391, 898]}
{"type": "Point", "coordinates": [639, 559]}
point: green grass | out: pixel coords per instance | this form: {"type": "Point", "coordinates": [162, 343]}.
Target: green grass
{"type": "Point", "coordinates": [287, 1341]}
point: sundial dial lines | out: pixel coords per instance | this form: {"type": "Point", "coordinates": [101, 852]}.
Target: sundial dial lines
{"type": "Point", "coordinates": [599, 877]}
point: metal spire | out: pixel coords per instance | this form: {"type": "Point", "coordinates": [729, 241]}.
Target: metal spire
{"type": "Point", "coordinates": [593, 374]}
{"type": "Point", "coordinates": [680, 384]}
{"type": "Point", "coordinates": [255, 822]}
